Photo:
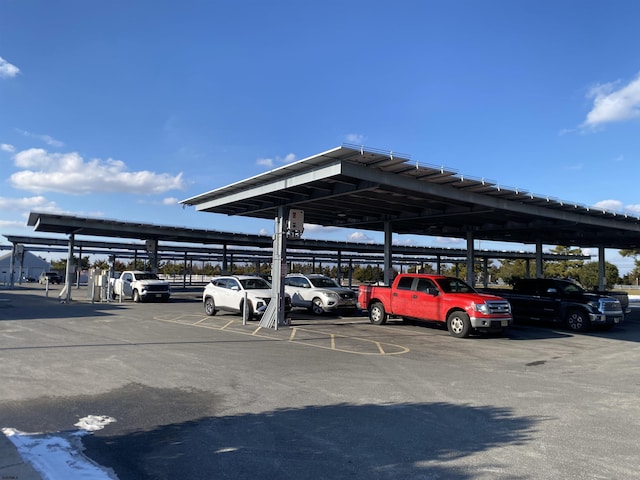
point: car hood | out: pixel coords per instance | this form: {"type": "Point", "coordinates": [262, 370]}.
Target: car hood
{"type": "Point", "coordinates": [261, 293]}
{"type": "Point", "coordinates": [153, 282]}
{"type": "Point", "coordinates": [338, 290]}
{"type": "Point", "coordinates": [477, 297]}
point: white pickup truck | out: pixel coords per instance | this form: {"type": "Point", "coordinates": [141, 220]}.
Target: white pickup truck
{"type": "Point", "coordinates": [140, 286]}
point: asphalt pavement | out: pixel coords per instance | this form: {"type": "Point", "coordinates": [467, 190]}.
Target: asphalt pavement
{"type": "Point", "coordinates": [329, 397]}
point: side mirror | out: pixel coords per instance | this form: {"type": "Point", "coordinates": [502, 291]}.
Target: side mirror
{"type": "Point", "coordinates": [235, 288]}
{"type": "Point", "coordinates": [433, 291]}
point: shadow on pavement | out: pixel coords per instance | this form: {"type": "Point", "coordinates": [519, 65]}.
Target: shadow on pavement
{"type": "Point", "coordinates": [175, 433]}
{"type": "Point", "coordinates": [400, 441]}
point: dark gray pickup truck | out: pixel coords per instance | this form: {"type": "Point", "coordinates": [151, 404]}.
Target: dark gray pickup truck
{"type": "Point", "coordinates": [564, 302]}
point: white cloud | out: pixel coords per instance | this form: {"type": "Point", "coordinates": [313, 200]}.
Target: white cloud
{"type": "Point", "coordinates": [611, 205]}
{"type": "Point", "coordinates": [312, 227]}
{"type": "Point", "coordinates": [406, 241]}
{"type": "Point", "coordinates": [354, 138]}
{"type": "Point", "coordinates": [270, 162]}
{"type": "Point", "coordinates": [170, 201]}
{"type": "Point", "coordinates": [449, 241]}
{"type": "Point", "coordinates": [617, 206]}
{"type": "Point", "coordinates": [613, 103]}
{"type": "Point", "coordinates": [633, 209]}
{"type": "Point", "coordinates": [10, 224]}
{"type": "Point", "coordinates": [264, 231]}
{"type": "Point", "coordinates": [5, 147]}
{"type": "Point", "coordinates": [265, 162]}
{"type": "Point", "coordinates": [359, 237]}
{"type": "Point", "coordinates": [38, 203]}
{"type": "Point", "coordinates": [8, 70]}
{"type": "Point", "coordinates": [48, 139]}
{"type": "Point", "coordinates": [70, 173]}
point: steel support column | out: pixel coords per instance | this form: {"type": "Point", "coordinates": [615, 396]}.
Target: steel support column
{"type": "Point", "coordinates": [388, 253]}
{"type": "Point", "coordinates": [602, 272]}
{"type": "Point", "coordinates": [539, 265]}
{"type": "Point", "coordinates": [471, 259]}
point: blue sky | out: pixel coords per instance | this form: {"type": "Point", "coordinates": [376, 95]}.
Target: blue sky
{"type": "Point", "coordinates": [120, 109]}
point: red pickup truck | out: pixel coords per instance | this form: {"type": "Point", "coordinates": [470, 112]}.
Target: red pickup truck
{"type": "Point", "coordinates": [436, 298]}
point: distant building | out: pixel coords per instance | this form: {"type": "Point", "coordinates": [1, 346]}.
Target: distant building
{"type": "Point", "coordinates": [32, 267]}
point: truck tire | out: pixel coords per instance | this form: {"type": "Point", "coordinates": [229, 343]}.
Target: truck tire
{"type": "Point", "coordinates": [209, 306]}
{"type": "Point", "coordinates": [136, 296]}
{"type": "Point", "coordinates": [458, 324]}
{"type": "Point", "coordinates": [377, 314]}
{"type": "Point", "coordinates": [577, 320]}
{"type": "Point", "coordinates": [317, 307]}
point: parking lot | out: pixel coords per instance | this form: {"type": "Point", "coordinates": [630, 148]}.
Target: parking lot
{"type": "Point", "coordinates": [330, 397]}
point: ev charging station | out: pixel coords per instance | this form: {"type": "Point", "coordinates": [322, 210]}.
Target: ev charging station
{"type": "Point", "coordinates": [292, 227]}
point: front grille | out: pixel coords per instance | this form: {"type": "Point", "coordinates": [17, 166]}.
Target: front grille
{"type": "Point", "coordinates": [348, 295]}
{"type": "Point", "coordinates": [287, 300]}
{"type": "Point", "coordinates": [498, 307]}
{"type": "Point", "coordinates": [610, 305]}
{"type": "Point", "coordinates": [157, 288]}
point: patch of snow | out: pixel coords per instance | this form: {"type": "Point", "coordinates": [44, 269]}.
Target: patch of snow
{"type": "Point", "coordinates": [58, 456]}
{"type": "Point", "coordinates": [92, 423]}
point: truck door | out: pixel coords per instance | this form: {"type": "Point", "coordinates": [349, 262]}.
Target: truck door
{"type": "Point", "coordinates": [550, 301]}
{"type": "Point", "coordinates": [402, 296]}
{"type": "Point", "coordinates": [534, 301]}
{"type": "Point", "coordinates": [125, 284]}
{"type": "Point", "coordinates": [412, 299]}
{"type": "Point", "coordinates": [425, 304]}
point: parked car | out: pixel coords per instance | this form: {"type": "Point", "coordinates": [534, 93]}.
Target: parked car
{"type": "Point", "coordinates": [28, 278]}
{"type": "Point", "coordinates": [140, 286]}
{"type": "Point", "coordinates": [228, 293]}
{"type": "Point", "coordinates": [563, 302]}
{"type": "Point", "coordinates": [436, 298]}
{"type": "Point", "coordinates": [319, 293]}
{"type": "Point", "coordinates": [49, 277]}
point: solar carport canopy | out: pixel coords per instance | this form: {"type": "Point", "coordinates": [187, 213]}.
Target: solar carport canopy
{"type": "Point", "coordinates": [362, 188]}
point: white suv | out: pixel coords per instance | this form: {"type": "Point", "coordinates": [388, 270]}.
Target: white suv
{"type": "Point", "coordinates": [319, 293]}
{"type": "Point", "coordinates": [227, 293]}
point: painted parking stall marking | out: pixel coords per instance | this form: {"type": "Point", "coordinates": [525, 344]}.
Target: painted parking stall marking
{"type": "Point", "coordinates": [312, 337]}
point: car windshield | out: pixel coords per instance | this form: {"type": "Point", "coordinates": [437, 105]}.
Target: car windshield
{"type": "Point", "coordinates": [454, 285]}
{"type": "Point", "coordinates": [323, 282]}
{"type": "Point", "coordinates": [146, 276]}
{"type": "Point", "coordinates": [255, 284]}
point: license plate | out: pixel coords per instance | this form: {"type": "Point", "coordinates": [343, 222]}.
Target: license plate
{"type": "Point", "coordinates": [504, 323]}
{"type": "Point", "coordinates": [158, 295]}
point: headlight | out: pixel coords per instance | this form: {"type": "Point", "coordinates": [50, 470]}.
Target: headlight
{"type": "Point", "coordinates": [595, 305]}
{"type": "Point", "coordinates": [332, 295]}
{"type": "Point", "coordinates": [482, 308]}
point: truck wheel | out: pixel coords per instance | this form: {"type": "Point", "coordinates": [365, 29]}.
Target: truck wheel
{"type": "Point", "coordinates": [377, 314]}
{"type": "Point", "coordinates": [577, 321]}
{"type": "Point", "coordinates": [317, 308]}
{"type": "Point", "coordinates": [136, 296]}
{"type": "Point", "coordinates": [209, 306]}
{"type": "Point", "coordinates": [249, 310]}
{"type": "Point", "coordinates": [458, 324]}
